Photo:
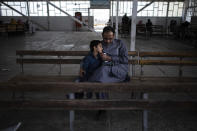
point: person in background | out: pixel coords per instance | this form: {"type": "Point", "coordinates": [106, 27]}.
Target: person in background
{"type": "Point", "coordinates": [13, 21]}
{"type": "Point", "coordinates": [20, 22]}
{"type": "Point", "coordinates": [125, 24]}
{"type": "Point", "coordinates": [149, 27]}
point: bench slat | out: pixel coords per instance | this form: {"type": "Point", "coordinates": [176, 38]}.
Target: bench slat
{"type": "Point", "coordinates": [77, 61]}
{"type": "Point", "coordinates": [60, 53]}
{"type": "Point", "coordinates": [67, 87]}
{"type": "Point", "coordinates": [56, 61]}
{"type": "Point", "coordinates": [66, 78]}
{"type": "Point", "coordinates": [99, 105]}
{"type": "Point", "coordinates": [48, 61]}
{"type": "Point", "coordinates": [167, 54]}
{"type": "Point", "coordinates": [168, 62]}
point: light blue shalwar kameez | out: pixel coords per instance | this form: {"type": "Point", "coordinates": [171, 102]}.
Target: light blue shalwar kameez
{"type": "Point", "coordinates": [118, 70]}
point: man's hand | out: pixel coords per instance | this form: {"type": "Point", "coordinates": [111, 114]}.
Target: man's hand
{"type": "Point", "coordinates": [105, 57]}
{"type": "Point", "coordinates": [81, 72]}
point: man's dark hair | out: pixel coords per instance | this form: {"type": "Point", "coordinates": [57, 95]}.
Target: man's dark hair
{"type": "Point", "coordinates": [108, 29]}
{"type": "Point", "coordinates": [94, 43]}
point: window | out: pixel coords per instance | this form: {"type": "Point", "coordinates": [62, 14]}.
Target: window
{"type": "Point", "coordinates": [175, 9]}
{"type": "Point", "coordinates": [157, 9]}
{"type": "Point", "coordinates": [124, 7]}
{"type": "Point", "coordinates": [39, 8]}
{"type": "Point", "coordinates": [19, 6]}
{"type": "Point", "coordinates": [70, 7]}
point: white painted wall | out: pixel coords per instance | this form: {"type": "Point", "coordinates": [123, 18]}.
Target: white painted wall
{"type": "Point", "coordinates": [57, 23]}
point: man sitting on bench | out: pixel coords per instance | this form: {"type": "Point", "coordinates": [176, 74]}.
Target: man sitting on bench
{"type": "Point", "coordinates": [114, 67]}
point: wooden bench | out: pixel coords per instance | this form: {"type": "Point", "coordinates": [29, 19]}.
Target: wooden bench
{"type": "Point", "coordinates": [12, 28]}
{"type": "Point", "coordinates": [141, 29]}
{"type": "Point", "coordinates": [137, 84]}
{"type": "Point", "coordinates": [157, 30]}
{"type": "Point", "coordinates": [65, 84]}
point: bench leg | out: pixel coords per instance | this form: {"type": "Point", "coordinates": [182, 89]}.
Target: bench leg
{"type": "Point", "coordinates": [145, 115]}
{"type": "Point", "coordinates": [71, 114]}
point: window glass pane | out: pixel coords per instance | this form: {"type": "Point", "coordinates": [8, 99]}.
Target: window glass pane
{"type": "Point", "coordinates": [171, 6]}
{"type": "Point", "coordinates": [150, 13]}
{"type": "Point", "coordinates": [180, 12]}
{"type": "Point", "coordinates": [160, 5]}
{"type": "Point", "coordinates": [38, 8]}
{"type": "Point", "coordinates": [175, 10]}
{"type": "Point", "coordinates": [170, 13]}
{"type": "Point", "coordinates": [19, 6]}
{"type": "Point", "coordinates": [180, 4]}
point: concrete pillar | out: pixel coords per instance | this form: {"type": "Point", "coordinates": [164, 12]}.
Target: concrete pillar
{"type": "Point", "coordinates": [145, 114]}
{"type": "Point", "coordinates": [0, 10]}
{"type": "Point", "coordinates": [88, 17]}
{"type": "Point", "coordinates": [185, 7]}
{"type": "Point", "coordinates": [133, 25]}
{"type": "Point", "coordinates": [48, 16]}
{"type": "Point", "coordinates": [117, 8]}
{"type": "Point", "coordinates": [166, 24]}
{"type": "Point", "coordinates": [112, 14]}
{"type": "Point", "coordinates": [27, 2]}
{"type": "Point", "coordinates": [71, 114]}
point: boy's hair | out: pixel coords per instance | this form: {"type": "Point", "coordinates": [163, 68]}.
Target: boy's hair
{"type": "Point", "coordinates": [108, 29]}
{"type": "Point", "coordinates": [94, 43]}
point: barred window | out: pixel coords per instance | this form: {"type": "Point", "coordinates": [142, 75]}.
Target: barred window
{"type": "Point", "coordinates": [39, 8]}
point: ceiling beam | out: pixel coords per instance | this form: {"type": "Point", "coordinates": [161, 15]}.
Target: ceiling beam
{"type": "Point", "coordinates": [146, 6]}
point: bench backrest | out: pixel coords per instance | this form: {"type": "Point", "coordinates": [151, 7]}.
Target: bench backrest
{"type": "Point", "coordinates": [135, 58]}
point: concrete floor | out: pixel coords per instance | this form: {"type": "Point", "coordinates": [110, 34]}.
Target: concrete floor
{"type": "Point", "coordinates": [51, 120]}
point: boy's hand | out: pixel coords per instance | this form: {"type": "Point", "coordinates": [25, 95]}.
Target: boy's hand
{"type": "Point", "coordinates": [105, 57]}
{"type": "Point", "coordinates": [81, 72]}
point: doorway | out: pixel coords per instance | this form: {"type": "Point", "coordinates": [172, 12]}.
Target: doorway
{"type": "Point", "coordinates": [101, 17]}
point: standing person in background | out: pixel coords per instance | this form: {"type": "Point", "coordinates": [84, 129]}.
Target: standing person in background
{"type": "Point", "coordinates": [125, 24]}
{"type": "Point", "coordinates": [149, 27]}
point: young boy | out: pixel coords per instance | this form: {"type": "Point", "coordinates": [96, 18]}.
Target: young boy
{"type": "Point", "coordinates": [89, 63]}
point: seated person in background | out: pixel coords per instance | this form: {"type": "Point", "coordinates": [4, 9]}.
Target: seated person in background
{"type": "Point", "coordinates": [89, 64]}
{"type": "Point", "coordinates": [140, 23]}
{"type": "Point", "coordinates": [109, 22]}
{"type": "Point", "coordinates": [140, 27]}
{"type": "Point", "coordinates": [19, 22]}
{"type": "Point", "coordinates": [13, 21]}
{"type": "Point", "coordinates": [149, 26]}
{"type": "Point", "coordinates": [173, 24]}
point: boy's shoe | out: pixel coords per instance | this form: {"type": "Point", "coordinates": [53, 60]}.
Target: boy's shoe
{"type": "Point", "coordinates": [100, 114]}
{"type": "Point", "coordinates": [127, 79]}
